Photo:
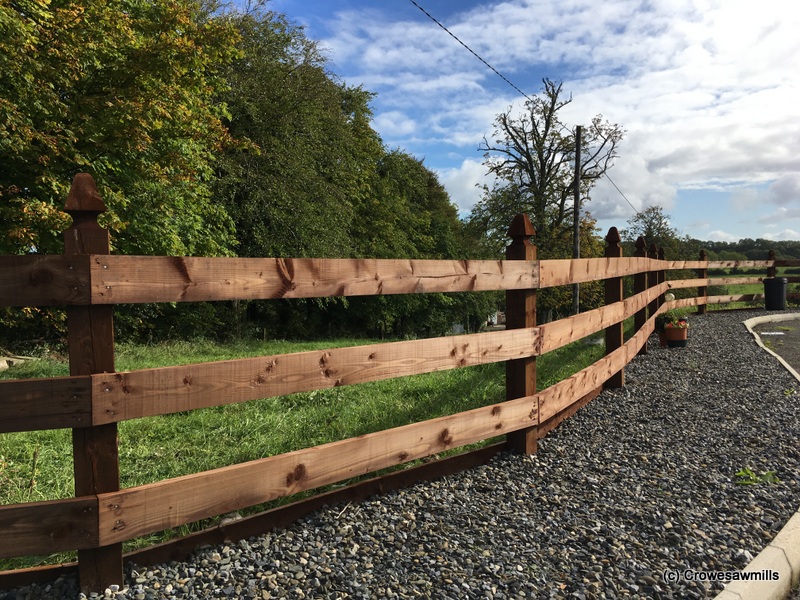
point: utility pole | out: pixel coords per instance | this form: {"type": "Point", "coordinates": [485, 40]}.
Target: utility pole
{"type": "Point", "coordinates": [576, 226]}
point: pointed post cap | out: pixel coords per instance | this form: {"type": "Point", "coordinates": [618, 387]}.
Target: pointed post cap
{"type": "Point", "coordinates": [613, 237]}
{"type": "Point", "coordinates": [521, 230]}
{"type": "Point", "coordinates": [84, 197]}
{"type": "Point", "coordinates": [661, 254]}
{"type": "Point", "coordinates": [641, 244]}
{"type": "Point", "coordinates": [703, 255]}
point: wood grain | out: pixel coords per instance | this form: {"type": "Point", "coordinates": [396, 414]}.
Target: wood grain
{"type": "Point", "coordinates": [746, 264]}
{"type": "Point", "coordinates": [565, 331]}
{"type": "Point", "coordinates": [138, 511]}
{"type": "Point", "coordinates": [95, 450]}
{"type": "Point", "coordinates": [135, 279]}
{"type": "Point", "coordinates": [580, 270]}
{"type": "Point", "coordinates": [684, 264]}
{"type": "Point", "coordinates": [677, 284]}
{"type": "Point", "coordinates": [47, 527]}
{"type": "Point", "coordinates": [134, 394]}
{"type": "Point", "coordinates": [614, 293]}
{"type": "Point", "coordinates": [52, 403]}
{"type": "Point", "coordinates": [42, 280]}
{"type": "Point", "coordinates": [521, 314]}
{"type": "Point", "coordinates": [563, 394]}
{"type": "Point", "coordinates": [735, 280]}
{"type": "Point", "coordinates": [735, 298]}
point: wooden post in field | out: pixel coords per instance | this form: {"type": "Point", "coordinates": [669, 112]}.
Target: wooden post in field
{"type": "Point", "coordinates": [520, 313]}
{"type": "Point", "coordinates": [614, 293]}
{"type": "Point", "coordinates": [772, 271]}
{"type": "Point", "coordinates": [91, 350]}
{"type": "Point", "coordinates": [702, 292]}
{"type": "Point", "coordinates": [652, 280]}
{"type": "Point", "coordinates": [639, 286]}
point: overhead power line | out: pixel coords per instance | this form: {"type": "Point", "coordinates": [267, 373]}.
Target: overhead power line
{"type": "Point", "coordinates": [504, 78]}
{"type": "Point", "coordinates": [451, 34]}
{"type": "Point", "coordinates": [621, 194]}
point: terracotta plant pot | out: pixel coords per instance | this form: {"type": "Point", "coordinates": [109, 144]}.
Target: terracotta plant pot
{"type": "Point", "coordinates": [676, 336]}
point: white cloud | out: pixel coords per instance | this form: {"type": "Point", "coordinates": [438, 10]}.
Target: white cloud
{"type": "Point", "coordinates": [721, 236]}
{"type": "Point", "coordinates": [780, 216]}
{"type": "Point", "coordinates": [463, 183]}
{"type": "Point", "coordinates": [786, 234]}
{"type": "Point", "coordinates": [706, 89]}
{"type": "Point", "coordinates": [785, 191]}
{"type": "Point", "coordinates": [395, 123]}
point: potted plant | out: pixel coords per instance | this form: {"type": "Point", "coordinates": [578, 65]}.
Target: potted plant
{"type": "Point", "coordinates": [661, 323]}
{"type": "Point", "coordinates": [676, 328]}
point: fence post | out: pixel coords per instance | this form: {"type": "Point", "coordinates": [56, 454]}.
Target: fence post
{"type": "Point", "coordinates": [662, 277]}
{"type": "Point", "coordinates": [652, 280]}
{"type": "Point", "coordinates": [521, 313]}
{"type": "Point", "coordinates": [773, 270]}
{"type": "Point", "coordinates": [91, 350]}
{"type": "Point", "coordinates": [702, 292]}
{"type": "Point", "coordinates": [639, 286]}
{"type": "Point", "coordinates": [614, 293]}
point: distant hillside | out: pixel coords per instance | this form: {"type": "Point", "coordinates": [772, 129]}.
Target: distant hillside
{"type": "Point", "coordinates": [749, 249]}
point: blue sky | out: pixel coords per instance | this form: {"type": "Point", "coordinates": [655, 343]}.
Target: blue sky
{"type": "Point", "coordinates": [708, 92]}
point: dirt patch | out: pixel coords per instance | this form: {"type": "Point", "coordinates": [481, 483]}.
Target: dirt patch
{"type": "Point", "coordinates": [783, 338]}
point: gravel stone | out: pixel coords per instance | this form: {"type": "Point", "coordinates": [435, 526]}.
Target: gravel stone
{"type": "Point", "coordinates": [640, 482]}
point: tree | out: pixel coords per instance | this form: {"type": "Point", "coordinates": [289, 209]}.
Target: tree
{"type": "Point", "coordinates": [653, 224]}
{"type": "Point", "coordinates": [125, 90]}
{"type": "Point", "coordinates": [293, 190]}
{"type": "Point", "coordinates": [532, 157]}
{"type": "Point", "coordinates": [314, 179]}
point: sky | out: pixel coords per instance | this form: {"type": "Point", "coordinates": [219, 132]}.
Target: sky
{"type": "Point", "coordinates": [707, 91]}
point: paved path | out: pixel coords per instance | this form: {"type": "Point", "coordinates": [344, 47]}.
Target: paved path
{"type": "Point", "coordinates": [783, 338]}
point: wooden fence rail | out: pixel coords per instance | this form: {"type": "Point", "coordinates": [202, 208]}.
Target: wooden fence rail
{"type": "Point", "coordinates": [94, 398]}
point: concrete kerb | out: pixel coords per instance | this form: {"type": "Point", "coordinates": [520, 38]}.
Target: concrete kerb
{"type": "Point", "coordinates": [750, 323]}
{"type": "Point", "coordinates": [782, 555]}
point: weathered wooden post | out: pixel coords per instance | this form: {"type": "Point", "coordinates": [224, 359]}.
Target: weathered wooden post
{"type": "Point", "coordinates": [652, 280]}
{"type": "Point", "coordinates": [639, 286]}
{"type": "Point", "coordinates": [521, 313]}
{"type": "Point", "coordinates": [772, 270]}
{"type": "Point", "coordinates": [614, 293]}
{"type": "Point", "coordinates": [662, 277]}
{"type": "Point", "coordinates": [702, 291]}
{"type": "Point", "coordinates": [91, 350]}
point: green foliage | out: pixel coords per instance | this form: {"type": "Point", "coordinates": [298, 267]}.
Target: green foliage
{"type": "Point", "coordinates": [209, 134]}
{"type": "Point", "coordinates": [747, 476]}
{"type": "Point", "coordinates": [126, 91]}
{"type": "Point", "coordinates": [293, 188]}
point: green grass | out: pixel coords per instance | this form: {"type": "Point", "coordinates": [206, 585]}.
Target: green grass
{"type": "Point", "coordinates": [38, 465]}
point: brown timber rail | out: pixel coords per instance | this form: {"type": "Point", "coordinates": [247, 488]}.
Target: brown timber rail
{"type": "Point", "coordinates": [94, 398]}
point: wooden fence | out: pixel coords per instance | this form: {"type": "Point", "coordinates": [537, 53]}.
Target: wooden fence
{"type": "Point", "coordinates": [88, 281]}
